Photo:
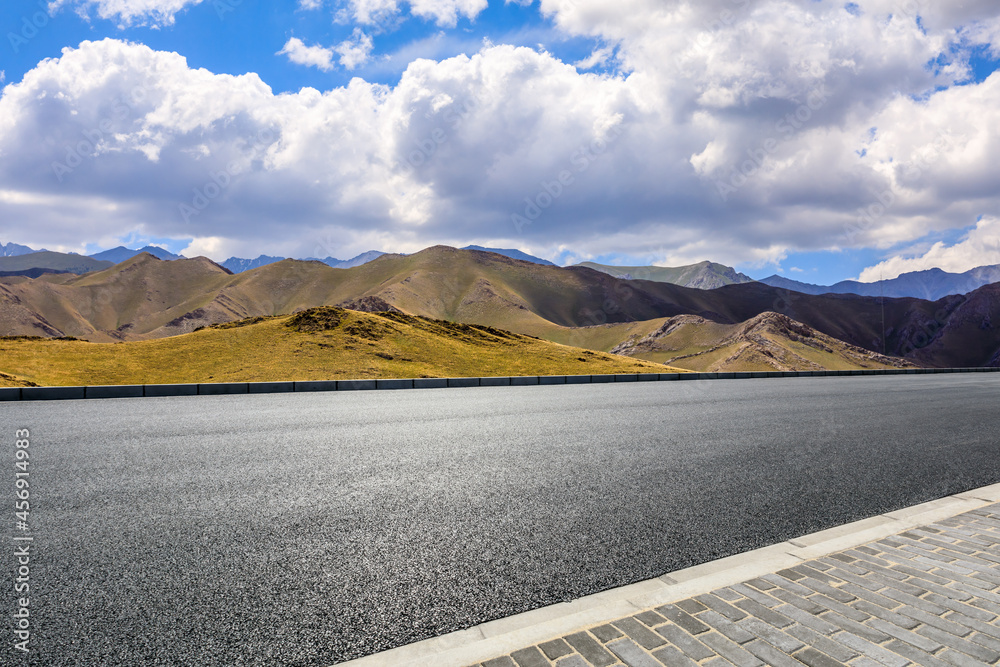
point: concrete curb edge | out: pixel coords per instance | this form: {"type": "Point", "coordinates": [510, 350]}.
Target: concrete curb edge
{"type": "Point", "coordinates": [221, 388]}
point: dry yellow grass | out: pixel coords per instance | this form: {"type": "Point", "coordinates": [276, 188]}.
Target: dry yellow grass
{"type": "Point", "coordinates": [318, 344]}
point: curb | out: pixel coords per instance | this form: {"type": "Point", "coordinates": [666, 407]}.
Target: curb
{"type": "Point", "coordinates": [488, 640]}
{"type": "Point", "coordinates": [225, 388]}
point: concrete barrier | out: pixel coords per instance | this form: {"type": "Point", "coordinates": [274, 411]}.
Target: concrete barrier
{"type": "Point", "coordinates": [430, 383]}
{"type": "Point", "coordinates": [223, 388]}
{"type": "Point", "coordinates": [394, 384]}
{"type": "Point", "coordinates": [114, 391]}
{"type": "Point", "coordinates": [52, 393]}
{"type": "Point", "coordinates": [270, 387]}
{"type": "Point", "coordinates": [355, 385]}
{"type": "Point", "coordinates": [155, 390]}
{"type": "Point", "coordinates": [315, 385]}
{"type": "Point", "coordinates": [212, 389]}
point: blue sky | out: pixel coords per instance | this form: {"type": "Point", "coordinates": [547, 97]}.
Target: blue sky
{"type": "Point", "coordinates": [674, 126]}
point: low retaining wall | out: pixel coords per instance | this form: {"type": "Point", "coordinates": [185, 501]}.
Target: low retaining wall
{"type": "Point", "coordinates": [217, 389]}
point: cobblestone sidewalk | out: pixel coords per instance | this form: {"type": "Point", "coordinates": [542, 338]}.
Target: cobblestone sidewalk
{"type": "Point", "coordinates": [929, 596]}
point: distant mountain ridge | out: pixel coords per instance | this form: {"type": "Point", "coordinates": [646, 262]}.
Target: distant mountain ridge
{"type": "Point", "coordinates": [703, 275]}
{"type": "Point", "coordinates": [513, 254]}
{"type": "Point", "coordinates": [932, 284]}
{"type": "Point", "coordinates": [121, 253]}
{"type": "Point", "coordinates": [14, 249]}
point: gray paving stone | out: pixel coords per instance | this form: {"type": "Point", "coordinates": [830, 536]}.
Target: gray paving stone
{"type": "Point", "coordinates": [726, 627]}
{"type": "Point", "coordinates": [829, 646]}
{"type": "Point", "coordinates": [500, 662]}
{"type": "Point", "coordinates": [631, 654]}
{"type": "Point", "coordinates": [606, 633]}
{"type": "Point", "coordinates": [757, 596]}
{"type": "Point", "coordinates": [590, 649]}
{"type": "Point", "coordinates": [720, 606]}
{"type": "Point", "coordinates": [573, 661]}
{"type": "Point", "coordinates": [691, 606]}
{"type": "Point", "coordinates": [730, 650]}
{"type": "Point", "coordinates": [872, 650]}
{"type": "Point", "coordinates": [758, 610]}
{"type": "Point", "coordinates": [556, 648]}
{"type": "Point", "coordinates": [959, 659]}
{"type": "Point", "coordinates": [671, 657]}
{"type": "Point", "coordinates": [650, 618]}
{"type": "Point", "coordinates": [893, 630]}
{"type": "Point", "coordinates": [530, 657]}
{"type": "Point", "coordinates": [642, 635]}
{"type": "Point", "coordinates": [914, 654]}
{"type": "Point", "coordinates": [771, 634]}
{"type": "Point", "coordinates": [814, 658]}
{"type": "Point", "coordinates": [964, 646]}
{"type": "Point", "coordinates": [856, 628]}
{"type": "Point", "coordinates": [936, 621]}
{"type": "Point", "coordinates": [682, 618]}
{"type": "Point", "coordinates": [688, 645]}
{"type": "Point", "coordinates": [770, 655]}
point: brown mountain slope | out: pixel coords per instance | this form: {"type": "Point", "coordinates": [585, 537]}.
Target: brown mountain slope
{"type": "Point", "coordinates": [146, 298]}
{"type": "Point", "coordinates": [767, 342]}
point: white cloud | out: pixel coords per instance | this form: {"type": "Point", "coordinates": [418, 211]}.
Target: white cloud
{"type": "Point", "coordinates": [445, 13]}
{"type": "Point", "coordinates": [310, 56]}
{"type": "Point", "coordinates": [355, 51]}
{"type": "Point", "coordinates": [980, 247]}
{"type": "Point", "coordinates": [827, 113]}
{"type": "Point", "coordinates": [310, 4]}
{"type": "Point", "coordinates": [130, 12]}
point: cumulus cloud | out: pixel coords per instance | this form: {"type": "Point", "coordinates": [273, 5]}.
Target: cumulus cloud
{"type": "Point", "coordinates": [355, 51]}
{"type": "Point", "coordinates": [130, 12]}
{"type": "Point", "coordinates": [445, 13]}
{"type": "Point", "coordinates": [980, 247]}
{"type": "Point", "coordinates": [311, 56]}
{"type": "Point", "coordinates": [734, 130]}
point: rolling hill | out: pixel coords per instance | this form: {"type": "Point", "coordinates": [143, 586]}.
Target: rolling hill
{"type": "Point", "coordinates": [767, 342]}
{"type": "Point", "coordinates": [145, 298]}
{"type": "Point", "coordinates": [704, 275]}
{"type": "Point", "coordinates": [315, 344]}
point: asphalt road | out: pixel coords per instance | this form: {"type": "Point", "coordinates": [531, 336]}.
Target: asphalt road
{"type": "Point", "coordinates": [311, 529]}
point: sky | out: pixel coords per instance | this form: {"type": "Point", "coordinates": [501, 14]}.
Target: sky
{"type": "Point", "coordinates": [819, 140]}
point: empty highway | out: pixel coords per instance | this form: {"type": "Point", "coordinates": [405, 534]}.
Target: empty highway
{"type": "Point", "coordinates": [309, 529]}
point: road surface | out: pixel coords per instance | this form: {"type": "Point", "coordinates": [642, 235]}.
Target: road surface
{"type": "Point", "coordinates": [309, 529]}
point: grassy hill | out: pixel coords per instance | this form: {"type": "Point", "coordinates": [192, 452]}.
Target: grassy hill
{"type": "Point", "coordinates": [316, 344]}
{"type": "Point", "coordinates": [768, 342]}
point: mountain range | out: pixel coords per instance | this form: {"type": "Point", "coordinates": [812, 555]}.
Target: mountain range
{"type": "Point", "coordinates": [146, 298]}
{"type": "Point", "coordinates": [931, 284]}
